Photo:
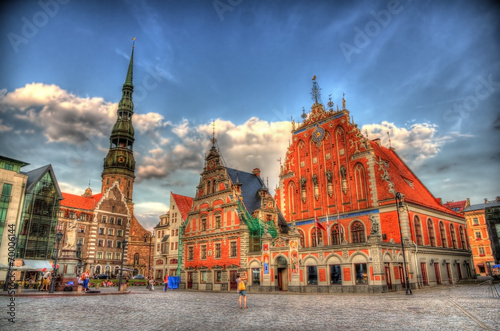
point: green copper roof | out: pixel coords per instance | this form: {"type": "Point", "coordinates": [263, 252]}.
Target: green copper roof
{"type": "Point", "coordinates": [129, 79]}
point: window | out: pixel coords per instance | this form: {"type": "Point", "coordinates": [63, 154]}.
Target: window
{"type": "Point", "coordinates": [233, 250]}
{"type": "Point", "coordinates": [316, 237]}
{"type": "Point", "coordinates": [104, 218]}
{"type": "Point", "coordinates": [80, 241]}
{"type": "Point", "coordinates": [118, 244]}
{"type": "Point", "coordinates": [203, 224]}
{"type": "Point", "coordinates": [217, 250]}
{"type": "Point", "coordinates": [430, 229]}
{"type": "Point", "coordinates": [176, 232]}
{"type": "Point", "coordinates": [302, 244]}
{"type": "Point", "coordinates": [418, 232]}
{"type": "Point", "coordinates": [217, 222]}
{"type": "Point", "coordinates": [119, 233]}
{"type": "Point", "coordinates": [357, 232]}
{"type": "Point", "coordinates": [481, 251]}
{"type": "Point", "coordinates": [312, 275]}
{"type": "Point", "coordinates": [101, 230]}
{"type": "Point", "coordinates": [171, 246]}
{"type": "Point", "coordinates": [109, 255]}
{"type": "Point", "coordinates": [335, 274]}
{"type": "Point", "coordinates": [99, 255]}
{"type": "Point", "coordinates": [361, 274]}
{"type": "Point", "coordinates": [218, 276]}
{"type": "Point", "coordinates": [335, 240]}
{"type": "Point", "coordinates": [203, 276]}
{"type": "Point", "coordinates": [478, 234]}
{"type": "Point", "coordinates": [475, 221]}
{"type": "Point", "coordinates": [462, 238]}
{"type": "Point", "coordinates": [136, 258]}
{"type": "Point", "coordinates": [176, 245]}
{"type": "Point", "coordinates": [72, 214]}
{"type": "Point", "coordinates": [81, 229]}
{"type": "Point", "coordinates": [110, 232]}
{"type": "Point", "coordinates": [110, 243]}
{"type": "Point", "coordinates": [256, 276]}
{"type": "Point", "coordinates": [190, 253]}
{"type": "Point", "coordinates": [119, 221]}
{"type": "Point", "coordinates": [442, 234]}
{"type": "Point", "coordinates": [111, 220]}
{"type": "Point", "coordinates": [118, 256]}
{"type": "Point", "coordinates": [203, 252]}
{"type": "Point", "coordinates": [8, 166]}
{"type": "Point", "coordinates": [100, 243]}
{"type": "Point", "coordinates": [453, 237]}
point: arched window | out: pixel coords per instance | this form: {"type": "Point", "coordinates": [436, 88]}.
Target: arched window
{"type": "Point", "coordinates": [430, 230]}
{"type": "Point", "coordinates": [214, 186]}
{"type": "Point", "coordinates": [316, 237]}
{"type": "Point", "coordinates": [136, 258]}
{"type": "Point", "coordinates": [98, 269]}
{"type": "Point", "coordinates": [208, 187]}
{"type": "Point", "coordinates": [418, 232]}
{"type": "Point", "coordinates": [291, 197]}
{"type": "Point", "coordinates": [335, 235]}
{"type": "Point", "coordinates": [302, 243]}
{"type": "Point", "coordinates": [357, 232]}
{"type": "Point", "coordinates": [462, 238]}
{"type": "Point", "coordinates": [453, 237]}
{"type": "Point", "coordinates": [442, 234]}
{"type": "Point", "coordinates": [360, 181]}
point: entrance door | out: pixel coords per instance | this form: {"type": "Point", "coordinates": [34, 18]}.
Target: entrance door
{"type": "Point", "coordinates": [282, 279]}
{"type": "Point", "coordinates": [402, 277]}
{"type": "Point", "coordinates": [232, 279]}
{"type": "Point", "coordinates": [388, 276]}
{"type": "Point", "coordinates": [190, 279]}
{"type": "Point", "coordinates": [459, 272]}
{"type": "Point", "coordinates": [448, 270]}
{"type": "Point", "coordinates": [438, 274]}
{"type": "Point", "coordinates": [423, 268]}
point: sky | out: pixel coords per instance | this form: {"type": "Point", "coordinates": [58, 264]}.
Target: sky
{"type": "Point", "coordinates": [424, 73]}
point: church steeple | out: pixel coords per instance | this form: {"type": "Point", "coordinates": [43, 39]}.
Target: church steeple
{"type": "Point", "coordinates": [119, 164]}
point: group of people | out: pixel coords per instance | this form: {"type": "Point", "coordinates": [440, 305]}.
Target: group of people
{"type": "Point", "coordinates": [151, 283]}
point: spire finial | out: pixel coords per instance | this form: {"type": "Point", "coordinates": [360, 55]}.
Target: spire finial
{"type": "Point", "coordinates": [130, 72]}
{"type": "Point", "coordinates": [330, 102]}
{"type": "Point", "coordinates": [133, 42]}
{"type": "Point", "coordinates": [343, 101]}
{"type": "Point", "coordinates": [213, 132]}
{"type": "Point", "coordinates": [316, 96]}
{"type": "Point", "coordinates": [389, 136]}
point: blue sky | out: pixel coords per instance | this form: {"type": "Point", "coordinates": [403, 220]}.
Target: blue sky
{"type": "Point", "coordinates": [427, 72]}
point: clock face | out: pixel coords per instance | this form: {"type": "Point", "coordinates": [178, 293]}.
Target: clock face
{"type": "Point", "coordinates": [121, 159]}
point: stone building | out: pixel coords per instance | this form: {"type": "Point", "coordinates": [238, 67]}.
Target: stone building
{"type": "Point", "coordinates": [168, 243]}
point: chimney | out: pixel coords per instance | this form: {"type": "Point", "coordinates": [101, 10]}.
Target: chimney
{"type": "Point", "coordinates": [485, 200]}
{"type": "Point", "coordinates": [256, 172]}
{"type": "Point", "coordinates": [439, 201]}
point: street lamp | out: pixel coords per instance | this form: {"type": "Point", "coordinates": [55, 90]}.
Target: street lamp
{"type": "Point", "coordinates": [124, 243]}
{"type": "Point", "coordinates": [149, 236]}
{"type": "Point", "coordinates": [59, 236]}
{"type": "Point", "coordinates": [399, 204]}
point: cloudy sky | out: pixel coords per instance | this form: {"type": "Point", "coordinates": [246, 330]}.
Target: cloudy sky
{"type": "Point", "coordinates": [427, 72]}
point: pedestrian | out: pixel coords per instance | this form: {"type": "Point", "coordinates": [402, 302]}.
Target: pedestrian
{"type": "Point", "coordinates": [151, 284]}
{"type": "Point", "coordinates": [45, 281]}
{"type": "Point", "coordinates": [85, 278]}
{"type": "Point", "coordinates": [242, 289]}
{"type": "Point", "coordinates": [165, 281]}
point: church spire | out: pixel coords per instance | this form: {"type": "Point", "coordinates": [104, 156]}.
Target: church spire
{"type": "Point", "coordinates": [119, 164]}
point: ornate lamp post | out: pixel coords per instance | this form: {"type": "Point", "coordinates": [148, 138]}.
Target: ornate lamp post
{"type": "Point", "coordinates": [399, 204]}
{"type": "Point", "coordinates": [149, 236]}
{"type": "Point", "coordinates": [59, 236]}
{"type": "Point", "coordinates": [124, 243]}
{"type": "Point", "coordinates": [79, 256]}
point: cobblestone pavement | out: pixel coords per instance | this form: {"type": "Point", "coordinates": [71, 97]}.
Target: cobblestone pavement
{"type": "Point", "coordinates": [464, 307]}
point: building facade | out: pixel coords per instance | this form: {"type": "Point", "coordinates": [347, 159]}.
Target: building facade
{"type": "Point", "coordinates": [483, 227]}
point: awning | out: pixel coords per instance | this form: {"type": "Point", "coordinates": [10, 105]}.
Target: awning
{"type": "Point", "coordinates": [165, 238]}
{"type": "Point", "coordinates": [480, 264]}
{"type": "Point", "coordinates": [38, 265]}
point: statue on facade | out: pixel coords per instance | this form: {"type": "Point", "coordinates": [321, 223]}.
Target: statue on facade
{"type": "Point", "coordinates": [375, 225]}
{"type": "Point", "coordinates": [71, 234]}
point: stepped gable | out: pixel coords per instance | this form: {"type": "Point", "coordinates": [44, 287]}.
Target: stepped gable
{"type": "Point", "coordinates": [184, 204]}
{"type": "Point", "coordinates": [403, 180]}
{"type": "Point", "coordinates": [80, 202]}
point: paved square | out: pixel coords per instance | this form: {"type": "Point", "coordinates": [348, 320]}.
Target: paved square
{"type": "Point", "coordinates": [464, 307]}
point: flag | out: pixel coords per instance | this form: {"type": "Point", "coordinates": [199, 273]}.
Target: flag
{"type": "Point", "coordinates": [317, 223]}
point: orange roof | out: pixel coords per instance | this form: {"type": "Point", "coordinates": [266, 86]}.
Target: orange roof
{"type": "Point", "coordinates": [404, 180]}
{"type": "Point", "coordinates": [457, 206]}
{"type": "Point", "coordinates": [77, 201]}
{"type": "Point", "coordinates": [183, 203]}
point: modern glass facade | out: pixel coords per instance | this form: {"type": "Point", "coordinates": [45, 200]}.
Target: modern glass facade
{"type": "Point", "coordinates": [39, 220]}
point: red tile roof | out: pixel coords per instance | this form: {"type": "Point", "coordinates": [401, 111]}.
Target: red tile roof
{"type": "Point", "coordinates": [404, 180]}
{"type": "Point", "coordinates": [77, 201]}
{"type": "Point", "coordinates": [183, 203]}
{"type": "Point", "coordinates": [457, 206]}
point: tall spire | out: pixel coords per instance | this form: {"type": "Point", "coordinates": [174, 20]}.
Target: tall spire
{"type": "Point", "coordinates": [316, 95]}
{"type": "Point", "coordinates": [119, 164]}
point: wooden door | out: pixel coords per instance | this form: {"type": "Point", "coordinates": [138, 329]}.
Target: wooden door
{"type": "Point", "coordinates": [437, 272]}
{"type": "Point", "coordinates": [232, 279]}
{"type": "Point", "coordinates": [423, 269]}
{"type": "Point", "coordinates": [190, 279]}
{"type": "Point", "coordinates": [459, 272]}
{"type": "Point", "coordinates": [388, 277]}
{"type": "Point", "coordinates": [448, 270]}
{"type": "Point", "coordinates": [402, 277]}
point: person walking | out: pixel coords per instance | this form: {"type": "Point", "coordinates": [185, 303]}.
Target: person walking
{"type": "Point", "coordinates": [45, 281]}
{"type": "Point", "coordinates": [151, 284]}
{"type": "Point", "coordinates": [165, 281]}
{"type": "Point", "coordinates": [242, 289]}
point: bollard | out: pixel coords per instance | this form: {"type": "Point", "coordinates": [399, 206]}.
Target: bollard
{"type": "Point", "coordinates": [19, 289]}
{"type": "Point", "coordinates": [79, 289]}
{"type": "Point", "coordinates": [97, 286]}
{"type": "Point", "coordinates": [122, 287]}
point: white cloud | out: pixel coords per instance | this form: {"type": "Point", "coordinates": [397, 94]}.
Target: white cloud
{"type": "Point", "coordinates": [4, 128]}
